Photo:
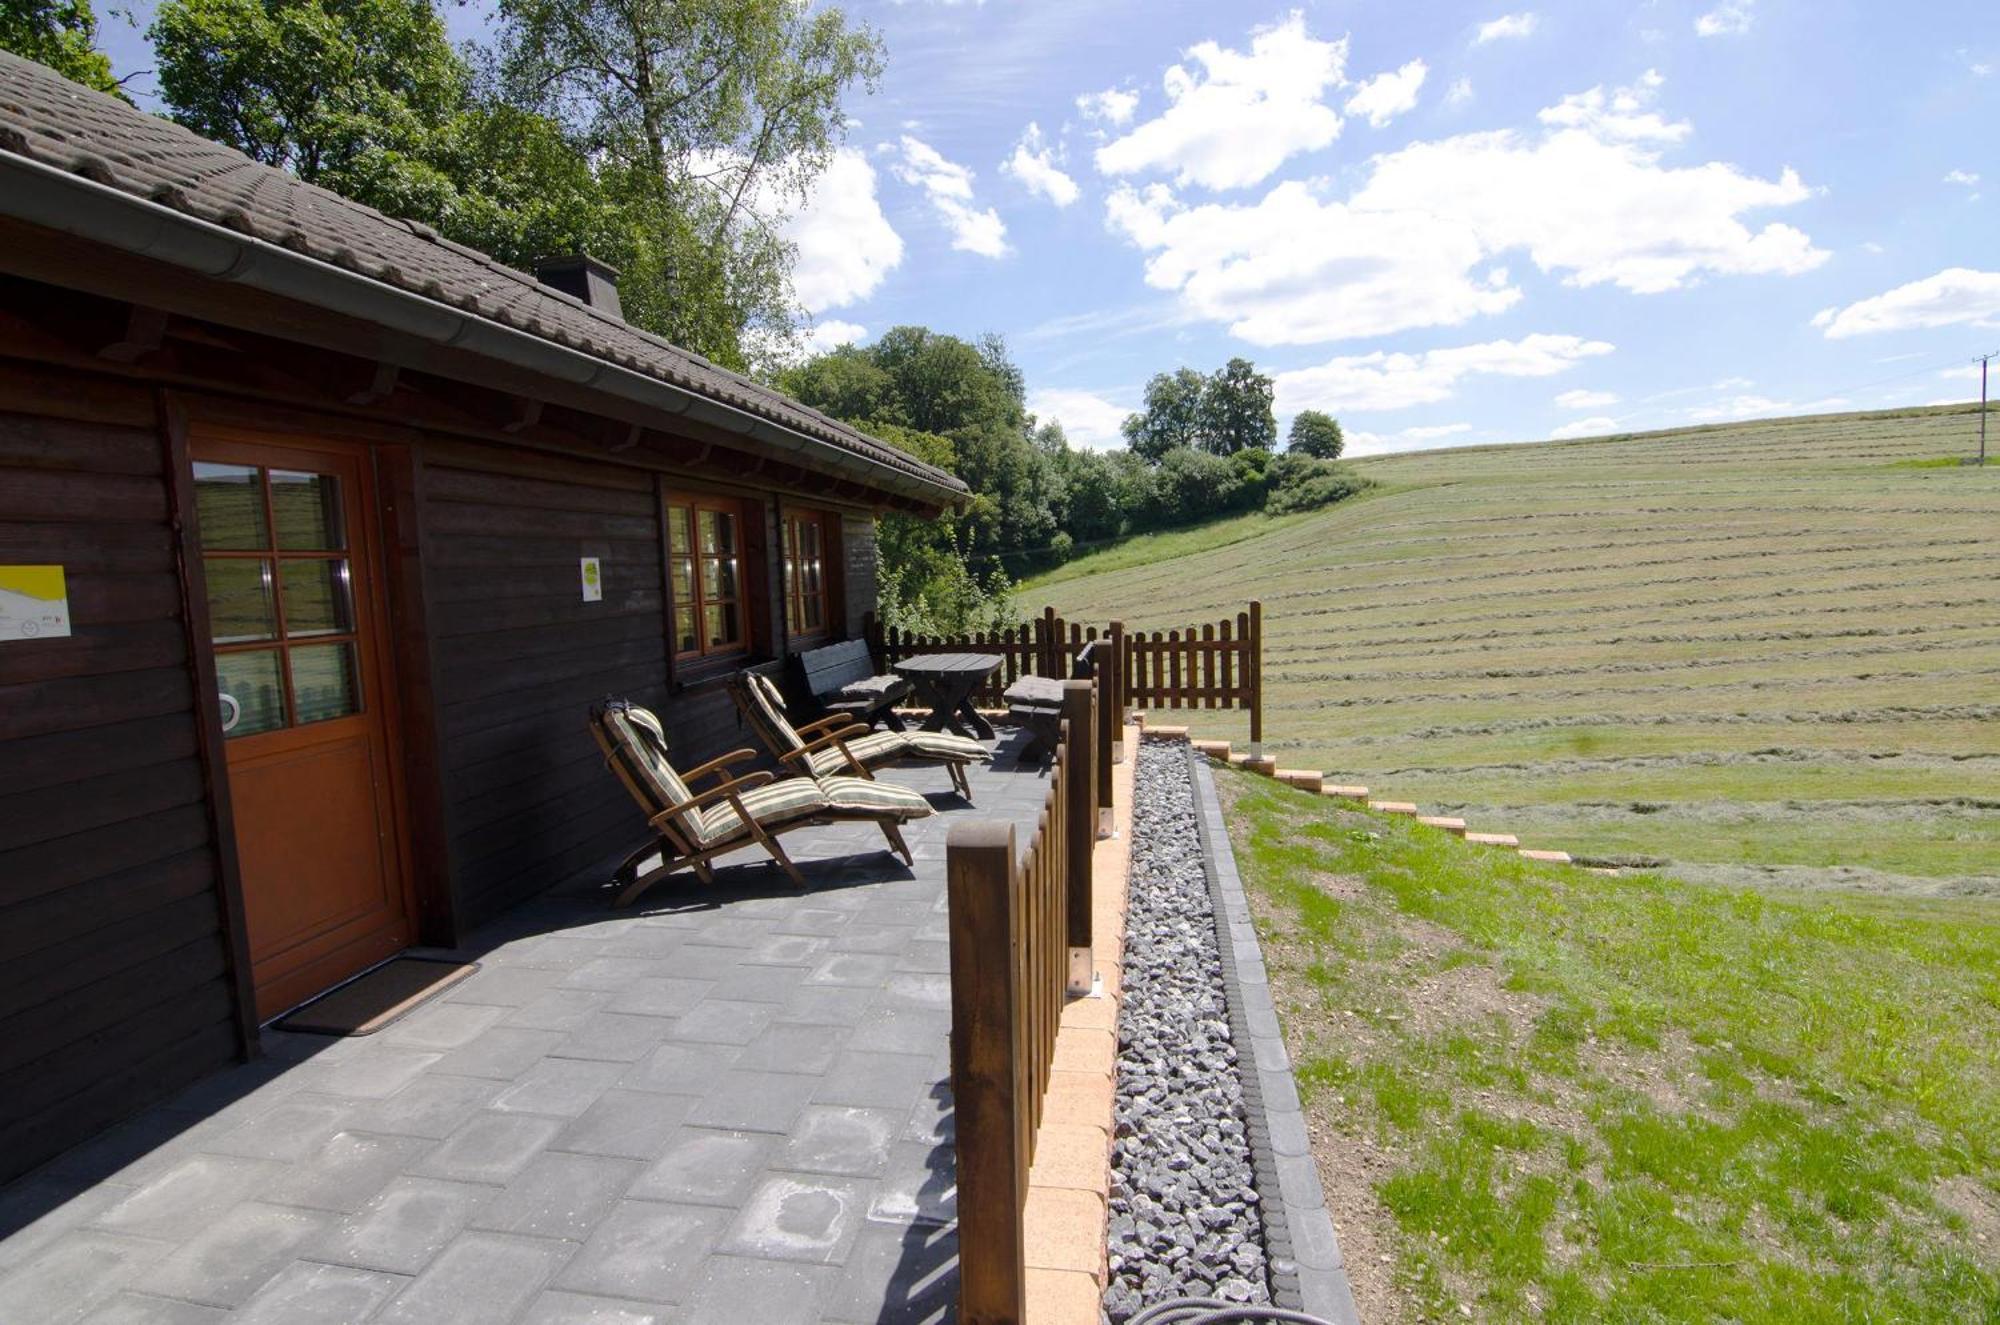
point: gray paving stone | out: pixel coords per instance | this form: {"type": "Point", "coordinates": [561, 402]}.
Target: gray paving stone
{"type": "Point", "coordinates": [660, 996]}
{"type": "Point", "coordinates": [441, 1025]}
{"type": "Point", "coordinates": [1288, 1133]}
{"type": "Point", "coordinates": [920, 1186]}
{"type": "Point", "coordinates": [407, 1224]}
{"type": "Point", "coordinates": [786, 949]}
{"type": "Point", "coordinates": [502, 1053]}
{"type": "Point", "coordinates": [700, 960]}
{"type": "Point", "coordinates": [75, 1273]}
{"type": "Point", "coordinates": [873, 1079]}
{"type": "Point", "coordinates": [612, 973]}
{"type": "Point", "coordinates": [829, 1005]}
{"type": "Point", "coordinates": [614, 1037]}
{"type": "Point", "coordinates": [702, 1166]}
{"type": "Point", "coordinates": [558, 1010]}
{"type": "Point", "coordinates": [184, 1199]}
{"type": "Point", "coordinates": [645, 1251]}
{"type": "Point", "coordinates": [800, 1217]}
{"type": "Point", "coordinates": [562, 1087]}
{"type": "Point", "coordinates": [874, 937]}
{"type": "Point", "coordinates": [813, 920]}
{"type": "Point", "coordinates": [793, 1047]}
{"type": "Point", "coordinates": [932, 1120]}
{"type": "Point", "coordinates": [558, 1196]}
{"type": "Point", "coordinates": [503, 986]}
{"type": "Point", "coordinates": [931, 956]}
{"type": "Point", "coordinates": [658, 942]}
{"type": "Point", "coordinates": [732, 1290]}
{"type": "Point", "coordinates": [715, 1021]}
{"type": "Point", "coordinates": [292, 1130]}
{"type": "Point", "coordinates": [434, 1106]}
{"type": "Point", "coordinates": [348, 1171]}
{"type": "Point", "coordinates": [1298, 1179]}
{"type": "Point", "coordinates": [555, 952]}
{"type": "Point", "coordinates": [898, 1276]}
{"type": "Point", "coordinates": [376, 1073]}
{"type": "Point", "coordinates": [492, 1148]}
{"type": "Point", "coordinates": [840, 1140]}
{"type": "Point", "coordinates": [145, 1309]}
{"type": "Point", "coordinates": [863, 969]}
{"type": "Point", "coordinates": [753, 1101]}
{"type": "Point", "coordinates": [559, 1308]}
{"type": "Point", "coordinates": [915, 989]}
{"type": "Point", "coordinates": [305, 1293]}
{"type": "Point", "coordinates": [680, 1069]}
{"type": "Point", "coordinates": [36, 1211]}
{"type": "Point", "coordinates": [1314, 1245]}
{"type": "Point", "coordinates": [760, 984]}
{"type": "Point", "coordinates": [629, 1124]}
{"type": "Point", "coordinates": [227, 1262]}
{"type": "Point", "coordinates": [730, 931]}
{"type": "Point", "coordinates": [480, 1278]}
{"type": "Point", "coordinates": [903, 1031]}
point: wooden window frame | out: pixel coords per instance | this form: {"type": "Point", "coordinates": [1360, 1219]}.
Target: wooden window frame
{"type": "Point", "coordinates": [827, 524]}
{"type": "Point", "coordinates": [741, 513]}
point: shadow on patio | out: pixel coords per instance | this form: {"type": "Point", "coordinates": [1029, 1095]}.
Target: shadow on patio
{"type": "Point", "coordinates": [727, 1103]}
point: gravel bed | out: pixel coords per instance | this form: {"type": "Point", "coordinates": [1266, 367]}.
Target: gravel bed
{"type": "Point", "coordinates": [1185, 1217]}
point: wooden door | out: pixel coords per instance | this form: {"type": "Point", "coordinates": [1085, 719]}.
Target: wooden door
{"type": "Point", "coordinates": [289, 568]}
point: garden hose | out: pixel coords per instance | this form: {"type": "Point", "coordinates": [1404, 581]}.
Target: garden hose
{"type": "Point", "coordinates": [1214, 1311]}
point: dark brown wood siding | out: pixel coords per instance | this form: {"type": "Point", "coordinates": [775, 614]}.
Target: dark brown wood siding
{"type": "Point", "coordinates": [115, 983]}
{"type": "Point", "coordinates": [858, 582]}
{"type": "Point", "coordinates": [520, 657]}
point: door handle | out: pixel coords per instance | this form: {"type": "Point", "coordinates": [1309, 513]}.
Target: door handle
{"type": "Point", "coordinates": [235, 714]}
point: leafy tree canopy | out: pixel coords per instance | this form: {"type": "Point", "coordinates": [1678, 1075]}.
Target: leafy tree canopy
{"type": "Point", "coordinates": [1221, 413]}
{"type": "Point", "coordinates": [1315, 433]}
{"type": "Point", "coordinates": [1172, 417]}
{"type": "Point", "coordinates": [61, 34]}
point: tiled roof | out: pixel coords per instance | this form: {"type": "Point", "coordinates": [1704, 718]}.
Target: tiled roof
{"type": "Point", "coordinates": [49, 119]}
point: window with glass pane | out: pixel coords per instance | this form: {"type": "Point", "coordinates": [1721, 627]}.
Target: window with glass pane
{"type": "Point", "coordinates": [704, 575]}
{"type": "Point", "coordinates": [806, 541]}
{"type": "Point", "coordinates": [280, 596]}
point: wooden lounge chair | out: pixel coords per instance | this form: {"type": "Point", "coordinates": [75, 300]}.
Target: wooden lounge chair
{"type": "Point", "coordinates": [692, 828]}
{"type": "Point", "coordinates": [838, 744]}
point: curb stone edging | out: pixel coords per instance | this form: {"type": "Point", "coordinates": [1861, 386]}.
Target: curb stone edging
{"type": "Point", "coordinates": [1304, 1253]}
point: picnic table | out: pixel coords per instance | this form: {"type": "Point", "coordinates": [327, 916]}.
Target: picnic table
{"type": "Point", "coordinates": [945, 681]}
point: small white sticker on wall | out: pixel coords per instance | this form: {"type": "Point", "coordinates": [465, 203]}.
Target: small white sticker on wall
{"type": "Point", "coordinates": [34, 602]}
{"type": "Point", "coordinates": [593, 581]}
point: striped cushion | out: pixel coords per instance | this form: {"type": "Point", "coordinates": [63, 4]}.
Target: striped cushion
{"type": "Point", "coordinates": [771, 701]}
{"type": "Point", "coordinates": [771, 805]}
{"type": "Point", "coordinates": [866, 799]}
{"type": "Point", "coordinates": [944, 745]}
{"type": "Point", "coordinates": [879, 748]}
{"type": "Point", "coordinates": [639, 731]}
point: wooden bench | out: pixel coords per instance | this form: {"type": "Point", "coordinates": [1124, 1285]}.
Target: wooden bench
{"type": "Point", "coordinates": [841, 678]}
{"type": "Point", "coordinates": [1035, 703]}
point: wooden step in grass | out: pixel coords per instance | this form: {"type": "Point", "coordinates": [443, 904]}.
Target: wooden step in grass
{"type": "Point", "coordinates": [1305, 779]}
{"type": "Point", "coordinates": [1393, 807]}
{"type": "Point", "coordinates": [1213, 749]}
{"type": "Point", "coordinates": [1445, 822]}
{"type": "Point", "coordinates": [1345, 793]}
{"type": "Point", "coordinates": [1547, 857]}
{"type": "Point", "coordinates": [1493, 839]}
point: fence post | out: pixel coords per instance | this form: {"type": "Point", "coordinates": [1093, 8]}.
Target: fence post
{"type": "Point", "coordinates": [1256, 664]}
{"type": "Point", "coordinates": [1079, 825]}
{"type": "Point", "coordinates": [1104, 675]}
{"type": "Point", "coordinates": [1120, 700]}
{"type": "Point", "coordinates": [987, 1056]}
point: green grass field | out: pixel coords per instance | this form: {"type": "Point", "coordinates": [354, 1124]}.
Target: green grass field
{"type": "Point", "coordinates": [1540, 1094]}
{"type": "Point", "coordinates": [1766, 652]}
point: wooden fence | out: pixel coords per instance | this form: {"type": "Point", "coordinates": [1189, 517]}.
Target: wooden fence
{"type": "Point", "coordinates": [1211, 665]}
{"type": "Point", "coordinates": [1017, 924]}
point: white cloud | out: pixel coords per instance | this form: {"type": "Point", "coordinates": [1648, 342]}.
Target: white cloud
{"type": "Point", "coordinates": [1458, 93]}
{"type": "Point", "coordinates": [1389, 94]}
{"type": "Point", "coordinates": [1965, 177]}
{"type": "Point", "coordinates": [1731, 18]}
{"type": "Point", "coordinates": [1957, 296]}
{"type": "Point", "coordinates": [833, 334]}
{"type": "Point", "coordinates": [1431, 432]}
{"type": "Point", "coordinates": [846, 247]}
{"type": "Point", "coordinates": [1088, 419]}
{"type": "Point", "coordinates": [1113, 105]}
{"type": "Point", "coordinates": [1587, 197]}
{"type": "Point", "coordinates": [948, 185]}
{"type": "Point", "coordinates": [1595, 426]}
{"type": "Point", "coordinates": [1380, 381]}
{"type": "Point", "coordinates": [1581, 399]}
{"type": "Point", "coordinates": [1508, 26]}
{"type": "Point", "coordinates": [1034, 165]}
{"type": "Point", "coordinates": [1236, 116]}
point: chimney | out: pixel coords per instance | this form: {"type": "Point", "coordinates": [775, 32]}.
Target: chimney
{"type": "Point", "coordinates": [585, 278]}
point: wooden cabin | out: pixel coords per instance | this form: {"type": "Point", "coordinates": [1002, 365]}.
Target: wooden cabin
{"type": "Point", "coordinates": [352, 523]}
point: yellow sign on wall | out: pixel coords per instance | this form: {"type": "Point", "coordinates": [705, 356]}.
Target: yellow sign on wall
{"type": "Point", "coordinates": [34, 602]}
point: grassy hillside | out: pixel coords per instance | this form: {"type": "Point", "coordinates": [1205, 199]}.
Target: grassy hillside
{"type": "Point", "coordinates": [1767, 651]}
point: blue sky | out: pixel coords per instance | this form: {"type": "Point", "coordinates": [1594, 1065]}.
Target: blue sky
{"type": "Point", "coordinates": [1447, 224]}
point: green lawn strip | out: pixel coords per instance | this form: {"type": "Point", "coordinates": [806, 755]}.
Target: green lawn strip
{"type": "Point", "coordinates": [1670, 1102]}
{"type": "Point", "coordinates": [1146, 549]}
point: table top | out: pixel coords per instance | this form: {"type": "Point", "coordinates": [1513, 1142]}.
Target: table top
{"type": "Point", "coordinates": [949, 664]}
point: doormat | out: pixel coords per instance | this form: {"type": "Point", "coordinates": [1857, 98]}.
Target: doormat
{"type": "Point", "coordinates": [380, 998]}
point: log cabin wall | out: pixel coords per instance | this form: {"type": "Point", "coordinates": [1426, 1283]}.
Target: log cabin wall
{"type": "Point", "coordinates": [117, 983]}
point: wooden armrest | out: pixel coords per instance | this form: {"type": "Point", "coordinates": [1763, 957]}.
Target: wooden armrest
{"type": "Point", "coordinates": [725, 791]}
{"type": "Point", "coordinates": [830, 721]}
{"type": "Point", "coordinates": [716, 764]}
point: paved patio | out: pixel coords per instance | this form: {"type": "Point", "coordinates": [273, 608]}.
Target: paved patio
{"type": "Point", "coordinates": [727, 1104]}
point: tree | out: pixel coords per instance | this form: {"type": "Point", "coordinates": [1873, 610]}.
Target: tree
{"type": "Point", "coordinates": [1235, 411]}
{"type": "Point", "coordinates": [718, 115]}
{"type": "Point", "coordinates": [1172, 417]}
{"type": "Point", "coordinates": [61, 34]}
{"type": "Point", "coordinates": [1316, 434]}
